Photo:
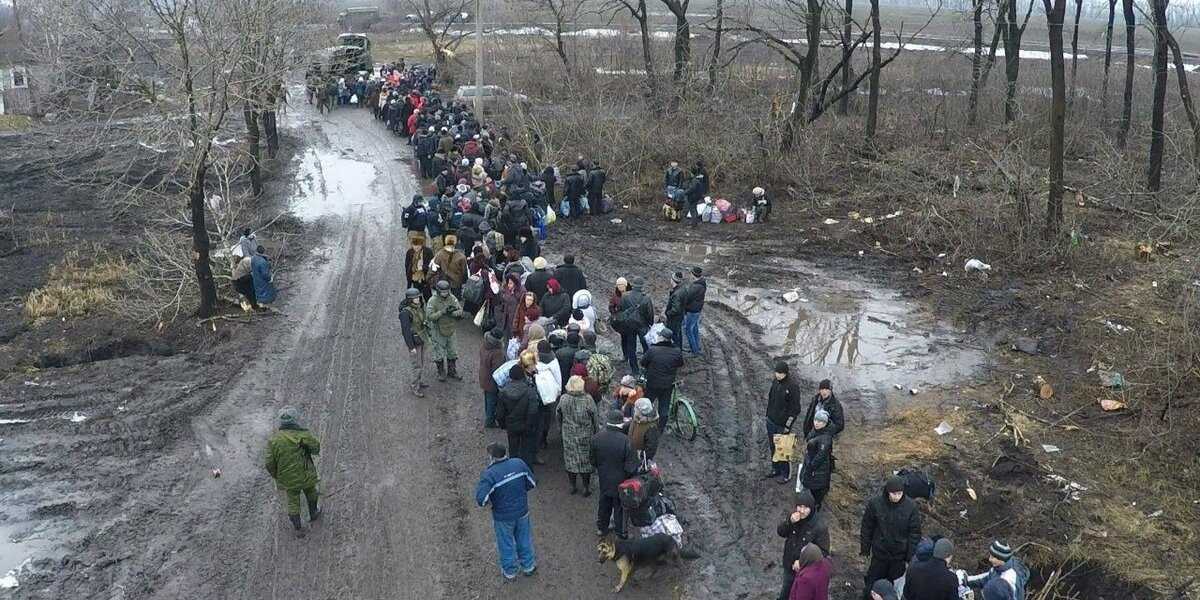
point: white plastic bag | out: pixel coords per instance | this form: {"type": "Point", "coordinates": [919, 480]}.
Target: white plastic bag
{"type": "Point", "coordinates": [479, 316]}
{"type": "Point", "coordinates": [548, 381]}
{"type": "Point", "coordinates": [669, 525]}
{"type": "Point", "coordinates": [354, 99]}
{"type": "Point", "coordinates": [500, 375]}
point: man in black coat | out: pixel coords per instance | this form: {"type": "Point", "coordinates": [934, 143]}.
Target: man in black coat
{"type": "Point", "coordinates": [891, 530]}
{"type": "Point", "coordinates": [661, 363]}
{"type": "Point", "coordinates": [932, 579]}
{"type": "Point", "coordinates": [634, 315]}
{"type": "Point", "coordinates": [693, 303]}
{"type": "Point", "coordinates": [426, 148]}
{"type": "Point", "coordinates": [827, 401]}
{"type": "Point", "coordinates": [538, 281]}
{"type": "Point", "coordinates": [595, 187]}
{"type": "Point", "coordinates": [804, 526]}
{"type": "Point", "coordinates": [570, 277]}
{"type": "Point", "coordinates": [574, 186]}
{"type": "Point", "coordinates": [566, 355]}
{"type": "Point", "coordinates": [818, 459]}
{"type": "Point", "coordinates": [783, 404]}
{"type": "Point", "coordinates": [519, 413]}
{"type": "Point", "coordinates": [615, 461]}
{"type": "Point", "coordinates": [673, 310]}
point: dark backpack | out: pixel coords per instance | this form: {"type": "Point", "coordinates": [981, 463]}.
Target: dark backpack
{"type": "Point", "coordinates": [419, 219]}
{"type": "Point", "coordinates": [917, 483]}
{"type": "Point", "coordinates": [635, 491]}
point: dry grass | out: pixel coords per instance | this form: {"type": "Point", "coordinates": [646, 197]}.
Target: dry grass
{"type": "Point", "coordinates": [908, 437]}
{"type": "Point", "coordinates": [15, 122]}
{"type": "Point", "coordinates": [78, 286]}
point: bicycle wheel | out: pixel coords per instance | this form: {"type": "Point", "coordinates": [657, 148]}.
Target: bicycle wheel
{"type": "Point", "coordinates": [684, 421]}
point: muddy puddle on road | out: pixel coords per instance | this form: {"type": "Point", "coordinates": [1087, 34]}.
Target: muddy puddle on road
{"type": "Point", "coordinates": [856, 332]}
{"type": "Point", "coordinates": [329, 183]}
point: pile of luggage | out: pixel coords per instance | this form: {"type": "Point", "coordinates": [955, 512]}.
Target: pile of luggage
{"type": "Point", "coordinates": [647, 507]}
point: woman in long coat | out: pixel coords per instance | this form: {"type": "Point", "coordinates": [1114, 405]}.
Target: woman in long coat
{"type": "Point", "coordinates": [577, 418]}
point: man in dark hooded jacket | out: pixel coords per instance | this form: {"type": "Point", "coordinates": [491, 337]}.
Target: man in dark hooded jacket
{"type": "Point", "coordinates": [661, 363]}
{"type": "Point", "coordinates": [804, 526]}
{"type": "Point", "coordinates": [574, 187]}
{"type": "Point", "coordinates": [596, 179]}
{"type": "Point", "coordinates": [932, 579]}
{"type": "Point", "coordinates": [570, 276]}
{"type": "Point", "coordinates": [890, 532]}
{"type": "Point", "coordinates": [613, 457]}
{"type": "Point", "coordinates": [783, 404]}
{"type": "Point", "coordinates": [519, 413]}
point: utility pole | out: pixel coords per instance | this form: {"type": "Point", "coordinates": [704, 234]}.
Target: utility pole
{"type": "Point", "coordinates": [479, 61]}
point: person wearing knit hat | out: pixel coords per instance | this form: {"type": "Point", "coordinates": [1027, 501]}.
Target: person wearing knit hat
{"type": "Point", "coordinates": [803, 527]}
{"type": "Point", "coordinates": [518, 412]}
{"type": "Point", "coordinates": [1007, 578]}
{"type": "Point", "coordinates": [538, 281]}
{"type": "Point", "coordinates": [818, 458]}
{"type": "Point", "coordinates": [661, 364]}
{"type": "Point", "coordinates": [643, 430]}
{"type": "Point", "coordinates": [827, 401]}
{"type": "Point", "coordinates": [632, 318]}
{"type": "Point", "coordinates": [416, 335]}
{"type": "Point", "coordinates": [615, 461]}
{"type": "Point", "coordinates": [693, 304]}
{"type": "Point", "coordinates": [932, 579]}
{"type": "Point", "coordinates": [883, 590]}
{"type": "Point", "coordinates": [290, 452]}
{"type": "Point", "coordinates": [890, 533]}
{"type": "Point", "coordinates": [505, 485]}
{"type": "Point", "coordinates": [491, 356]}
{"type": "Point", "coordinates": [783, 404]}
{"type": "Point", "coordinates": [673, 310]}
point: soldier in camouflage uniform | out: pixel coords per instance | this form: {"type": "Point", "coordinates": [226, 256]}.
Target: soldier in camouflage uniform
{"type": "Point", "coordinates": [442, 313]}
{"type": "Point", "coordinates": [290, 452]}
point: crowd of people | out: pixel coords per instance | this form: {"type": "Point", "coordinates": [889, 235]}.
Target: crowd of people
{"type": "Point", "coordinates": [475, 253]}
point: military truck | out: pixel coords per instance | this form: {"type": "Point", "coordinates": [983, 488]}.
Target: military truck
{"type": "Point", "coordinates": [351, 55]}
{"type": "Point", "coordinates": [358, 18]}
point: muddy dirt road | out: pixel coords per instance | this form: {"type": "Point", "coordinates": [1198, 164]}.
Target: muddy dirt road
{"type": "Point", "coordinates": [399, 472]}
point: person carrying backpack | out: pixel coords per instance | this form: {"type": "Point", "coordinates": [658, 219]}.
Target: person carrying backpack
{"type": "Point", "coordinates": [290, 452]}
{"type": "Point", "coordinates": [635, 313]}
{"type": "Point", "coordinates": [415, 217]}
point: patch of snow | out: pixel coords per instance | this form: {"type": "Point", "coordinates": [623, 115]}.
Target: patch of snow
{"type": "Point", "coordinates": [15, 421]}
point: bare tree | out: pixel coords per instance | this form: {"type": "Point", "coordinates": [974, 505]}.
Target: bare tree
{"type": "Point", "coordinates": [562, 13]}
{"type": "Point", "coordinates": [1074, 50]}
{"type": "Point", "coordinates": [1185, 95]}
{"type": "Point", "coordinates": [847, 55]}
{"type": "Point", "coordinates": [981, 67]}
{"type": "Point", "coordinates": [873, 98]}
{"type": "Point", "coordinates": [637, 10]}
{"type": "Point", "coordinates": [1130, 49]}
{"type": "Point", "coordinates": [1157, 136]}
{"type": "Point", "coordinates": [683, 39]}
{"type": "Point", "coordinates": [436, 19]}
{"type": "Point", "coordinates": [1011, 33]}
{"type": "Point", "coordinates": [718, 38]}
{"type": "Point", "coordinates": [1056, 12]}
{"type": "Point", "coordinates": [1108, 34]}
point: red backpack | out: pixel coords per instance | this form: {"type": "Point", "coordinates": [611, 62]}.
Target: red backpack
{"type": "Point", "coordinates": [635, 491]}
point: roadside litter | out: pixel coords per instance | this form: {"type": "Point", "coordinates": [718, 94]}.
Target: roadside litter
{"type": "Point", "coordinates": [943, 428]}
{"type": "Point", "coordinates": [1111, 379]}
{"type": "Point", "coordinates": [976, 265]}
{"type": "Point", "coordinates": [1066, 486]}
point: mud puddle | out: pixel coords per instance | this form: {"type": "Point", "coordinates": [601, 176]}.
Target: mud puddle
{"type": "Point", "coordinates": [329, 183]}
{"type": "Point", "coordinates": [856, 332]}
{"type": "Point", "coordinates": [20, 545]}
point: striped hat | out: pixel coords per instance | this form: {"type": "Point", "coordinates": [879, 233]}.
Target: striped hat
{"type": "Point", "coordinates": [1000, 551]}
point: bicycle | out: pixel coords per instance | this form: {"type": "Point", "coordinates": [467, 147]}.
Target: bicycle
{"type": "Point", "coordinates": [682, 421]}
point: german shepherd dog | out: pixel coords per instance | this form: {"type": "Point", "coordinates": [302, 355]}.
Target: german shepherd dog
{"type": "Point", "coordinates": [631, 554]}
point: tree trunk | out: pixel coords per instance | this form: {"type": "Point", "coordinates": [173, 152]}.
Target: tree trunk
{"type": "Point", "coordinates": [1056, 12]}
{"type": "Point", "coordinates": [976, 62]}
{"type": "Point", "coordinates": [1157, 136]}
{"type": "Point", "coordinates": [654, 100]}
{"type": "Point", "coordinates": [808, 67]}
{"type": "Point", "coordinates": [200, 243]}
{"type": "Point", "coordinates": [847, 56]}
{"type": "Point", "coordinates": [873, 98]}
{"type": "Point", "coordinates": [560, 48]}
{"type": "Point", "coordinates": [683, 47]}
{"type": "Point", "coordinates": [1074, 50]}
{"type": "Point", "coordinates": [716, 53]}
{"type": "Point", "coordinates": [270, 127]}
{"type": "Point", "coordinates": [1112, 15]}
{"type": "Point", "coordinates": [253, 137]}
{"type": "Point", "coordinates": [1185, 95]}
{"type": "Point", "coordinates": [1012, 61]}
{"type": "Point", "coordinates": [1130, 48]}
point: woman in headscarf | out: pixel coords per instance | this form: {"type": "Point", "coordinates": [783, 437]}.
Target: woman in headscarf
{"type": "Point", "coordinates": [505, 306]}
{"type": "Point", "coordinates": [528, 312]}
{"type": "Point", "coordinates": [643, 429]}
{"type": "Point", "coordinates": [578, 421]}
{"type": "Point", "coordinates": [615, 301]}
{"type": "Point", "coordinates": [813, 571]}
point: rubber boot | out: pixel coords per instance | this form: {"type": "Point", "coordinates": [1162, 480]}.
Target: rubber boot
{"type": "Point", "coordinates": [416, 390]}
{"type": "Point", "coordinates": [314, 512]}
{"type": "Point", "coordinates": [297, 527]}
{"type": "Point", "coordinates": [452, 369]}
{"type": "Point", "coordinates": [441, 370]}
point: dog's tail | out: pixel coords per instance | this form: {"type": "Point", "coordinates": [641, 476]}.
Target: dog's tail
{"type": "Point", "coordinates": [688, 554]}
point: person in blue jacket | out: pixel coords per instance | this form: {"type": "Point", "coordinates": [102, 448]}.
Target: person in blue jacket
{"type": "Point", "coordinates": [505, 484]}
{"type": "Point", "coordinates": [260, 272]}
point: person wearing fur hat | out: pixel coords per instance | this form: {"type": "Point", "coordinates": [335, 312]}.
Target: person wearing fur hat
{"type": "Point", "coordinates": [804, 526]}
{"type": "Point", "coordinates": [818, 459]}
{"type": "Point", "coordinates": [890, 533]}
{"type": "Point", "coordinates": [539, 280]}
{"type": "Point", "coordinates": [643, 430]}
{"type": "Point", "coordinates": [615, 461]}
{"type": "Point", "coordinates": [451, 265]}
{"type": "Point", "coordinates": [827, 401]}
{"type": "Point", "coordinates": [417, 261]}
{"type": "Point", "coordinates": [628, 392]}
{"type": "Point", "coordinates": [783, 404]}
{"type": "Point", "coordinates": [290, 452]}
{"type": "Point", "coordinates": [578, 421]}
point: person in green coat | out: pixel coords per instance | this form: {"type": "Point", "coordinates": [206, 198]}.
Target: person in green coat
{"type": "Point", "coordinates": [290, 452]}
{"type": "Point", "coordinates": [442, 313]}
{"type": "Point", "coordinates": [416, 334]}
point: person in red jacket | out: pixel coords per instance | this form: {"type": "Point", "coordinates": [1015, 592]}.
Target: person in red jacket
{"type": "Point", "coordinates": [813, 571]}
{"type": "Point", "coordinates": [412, 123]}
